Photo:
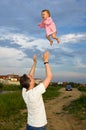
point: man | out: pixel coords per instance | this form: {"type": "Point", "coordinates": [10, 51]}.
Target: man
{"type": "Point", "coordinates": [33, 95]}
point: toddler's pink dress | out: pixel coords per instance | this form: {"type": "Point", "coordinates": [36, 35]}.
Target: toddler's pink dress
{"type": "Point", "coordinates": [49, 26]}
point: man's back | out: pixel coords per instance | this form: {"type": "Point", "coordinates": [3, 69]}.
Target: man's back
{"type": "Point", "coordinates": [35, 105]}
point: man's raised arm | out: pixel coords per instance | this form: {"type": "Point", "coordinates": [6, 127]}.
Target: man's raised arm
{"type": "Point", "coordinates": [49, 76]}
{"type": "Point", "coordinates": [32, 70]}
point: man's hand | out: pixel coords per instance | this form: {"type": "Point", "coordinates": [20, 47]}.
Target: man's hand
{"type": "Point", "coordinates": [49, 76]}
{"type": "Point", "coordinates": [45, 56]}
{"type": "Point", "coordinates": [35, 58]}
{"type": "Point", "coordinates": [32, 70]}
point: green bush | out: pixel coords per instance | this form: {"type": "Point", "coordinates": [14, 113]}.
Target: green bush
{"type": "Point", "coordinates": [78, 107]}
{"type": "Point", "coordinates": [1, 86]}
{"type": "Point", "coordinates": [51, 92]}
{"type": "Point", "coordinates": [83, 88]}
{"type": "Point", "coordinates": [11, 87]}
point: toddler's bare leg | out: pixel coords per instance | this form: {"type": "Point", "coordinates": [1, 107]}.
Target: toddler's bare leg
{"type": "Point", "coordinates": [48, 37]}
{"type": "Point", "coordinates": [55, 37]}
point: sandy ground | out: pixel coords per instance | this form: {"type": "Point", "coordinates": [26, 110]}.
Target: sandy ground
{"type": "Point", "coordinates": [57, 118]}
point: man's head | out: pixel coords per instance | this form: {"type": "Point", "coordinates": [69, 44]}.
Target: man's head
{"type": "Point", "coordinates": [27, 81]}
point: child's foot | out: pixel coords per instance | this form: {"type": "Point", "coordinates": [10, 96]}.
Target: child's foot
{"type": "Point", "coordinates": [58, 40]}
{"type": "Point", "coordinates": [51, 42]}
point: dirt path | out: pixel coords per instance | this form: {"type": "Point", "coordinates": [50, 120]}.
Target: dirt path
{"type": "Point", "coordinates": [57, 119]}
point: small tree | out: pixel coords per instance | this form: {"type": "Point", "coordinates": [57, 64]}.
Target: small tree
{"type": "Point", "coordinates": [1, 86]}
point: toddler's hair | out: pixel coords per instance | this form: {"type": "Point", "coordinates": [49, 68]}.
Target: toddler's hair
{"type": "Point", "coordinates": [45, 10]}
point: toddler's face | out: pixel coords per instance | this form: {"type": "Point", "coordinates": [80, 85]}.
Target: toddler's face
{"type": "Point", "coordinates": [44, 15]}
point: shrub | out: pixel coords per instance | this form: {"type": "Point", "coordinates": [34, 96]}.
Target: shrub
{"type": "Point", "coordinates": [51, 93]}
{"type": "Point", "coordinates": [1, 86]}
{"type": "Point", "coordinates": [82, 88]}
{"type": "Point", "coordinates": [11, 87]}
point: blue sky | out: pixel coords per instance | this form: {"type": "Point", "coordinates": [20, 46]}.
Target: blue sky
{"type": "Point", "coordinates": [20, 38]}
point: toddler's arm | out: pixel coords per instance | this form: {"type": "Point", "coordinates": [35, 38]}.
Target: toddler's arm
{"type": "Point", "coordinates": [41, 25]}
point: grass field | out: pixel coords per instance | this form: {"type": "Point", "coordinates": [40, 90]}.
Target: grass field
{"type": "Point", "coordinates": [9, 87]}
{"type": "Point", "coordinates": [12, 105]}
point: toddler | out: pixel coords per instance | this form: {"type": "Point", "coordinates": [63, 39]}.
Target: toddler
{"type": "Point", "coordinates": [49, 25]}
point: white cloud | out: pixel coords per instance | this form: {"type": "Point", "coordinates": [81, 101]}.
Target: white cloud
{"type": "Point", "coordinates": [13, 58]}
{"type": "Point", "coordinates": [78, 63]}
{"type": "Point", "coordinates": [73, 38]}
{"type": "Point", "coordinates": [25, 41]}
{"type": "Point", "coordinates": [10, 53]}
{"type": "Point", "coordinates": [41, 44]}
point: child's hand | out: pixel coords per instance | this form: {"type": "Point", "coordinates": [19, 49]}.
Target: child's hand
{"type": "Point", "coordinates": [44, 22]}
{"type": "Point", "coordinates": [39, 24]}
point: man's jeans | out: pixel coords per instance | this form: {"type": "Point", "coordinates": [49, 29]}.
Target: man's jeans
{"type": "Point", "coordinates": [35, 128]}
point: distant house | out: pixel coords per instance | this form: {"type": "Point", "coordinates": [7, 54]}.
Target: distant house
{"type": "Point", "coordinates": [65, 83]}
{"type": "Point", "coordinates": [15, 78]}
{"type": "Point", "coordinates": [82, 85]}
{"type": "Point", "coordinates": [37, 80]}
{"type": "Point", "coordinates": [3, 77]}
{"type": "Point", "coordinates": [60, 83]}
{"type": "Point", "coordinates": [11, 77]}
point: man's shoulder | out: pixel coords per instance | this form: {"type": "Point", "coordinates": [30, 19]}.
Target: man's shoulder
{"type": "Point", "coordinates": [40, 88]}
{"type": "Point", "coordinates": [40, 85]}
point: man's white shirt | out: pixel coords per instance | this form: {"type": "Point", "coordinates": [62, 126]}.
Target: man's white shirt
{"type": "Point", "coordinates": [35, 105]}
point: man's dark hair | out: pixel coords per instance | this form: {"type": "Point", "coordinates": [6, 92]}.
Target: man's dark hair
{"type": "Point", "coordinates": [24, 81]}
{"type": "Point", "coordinates": [46, 10]}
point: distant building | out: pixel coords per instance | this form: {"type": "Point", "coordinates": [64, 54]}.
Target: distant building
{"type": "Point", "coordinates": [65, 83]}
{"type": "Point", "coordinates": [37, 80]}
{"type": "Point", "coordinates": [3, 77]}
{"type": "Point", "coordinates": [11, 77]}
{"type": "Point", "coordinates": [60, 83]}
{"type": "Point", "coordinates": [82, 85]}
